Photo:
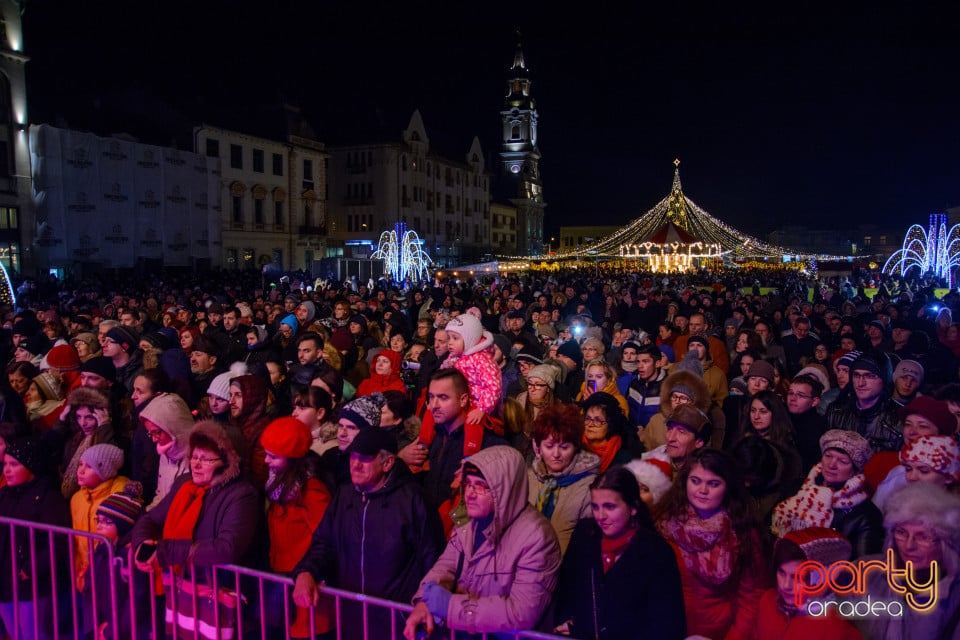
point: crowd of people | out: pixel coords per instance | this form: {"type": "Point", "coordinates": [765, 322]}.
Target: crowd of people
{"type": "Point", "coordinates": [613, 456]}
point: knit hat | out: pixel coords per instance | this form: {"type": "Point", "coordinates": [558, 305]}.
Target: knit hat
{"type": "Point", "coordinates": [632, 344]}
{"type": "Point", "coordinates": [731, 322]}
{"type": "Point", "coordinates": [851, 443]}
{"type": "Point", "coordinates": [503, 343]}
{"type": "Point", "coordinates": [291, 321]}
{"type": "Point", "coordinates": [50, 385]}
{"type": "Point", "coordinates": [667, 350]}
{"type": "Point", "coordinates": [595, 343]}
{"type": "Point", "coordinates": [207, 346]}
{"type": "Point", "coordinates": [936, 411]}
{"type": "Point", "coordinates": [529, 354]}
{"type": "Point", "coordinates": [123, 508]}
{"type": "Point", "coordinates": [220, 385]}
{"type": "Point", "coordinates": [287, 437]}
{"type": "Point", "coordinates": [364, 411]}
{"type": "Point", "coordinates": [761, 369]}
{"type": "Point", "coordinates": [101, 366]}
{"type": "Point", "coordinates": [571, 349]}
{"type": "Point", "coordinates": [545, 372]}
{"type": "Point", "coordinates": [701, 339]}
{"type": "Point", "coordinates": [358, 319]}
{"type": "Point", "coordinates": [688, 417]}
{"type": "Point", "coordinates": [29, 452]}
{"type": "Point", "coordinates": [105, 459]}
{"type": "Point", "coordinates": [905, 368]}
{"type": "Point", "coordinates": [691, 364]}
{"type": "Point", "coordinates": [849, 358]}
{"type": "Point", "coordinates": [818, 373]}
{"type": "Point", "coordinates": [468, 328]}
{"type": "Point", "coordinates": [89, 339]}
{"type": "Point", "coordinates": [940, 453]}
{"type": "Point", "coordinates": [292, 298]}
{"type": "Point", "coordinates": [63, 357]}
{"type": "Point", "coordinates": [925, 504]}
{"type": "Point", "coordinates": [370, 442]}
{"type": "Point", "coordinates": [123, 336]}
{"type": "Point", "coordinates": [876, 363]}
{"type": "Point", "coordinates": [653, 472]}
{"type": "Point", "coordinates": [818, 544]}
{"type": "Point", "coordinates": [36, 345]}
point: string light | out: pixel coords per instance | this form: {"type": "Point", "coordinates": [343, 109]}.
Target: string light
{"type": "Point", "coordinates": [6, 288]}
{"type": "Point", "coordinates": [402, 254]}
{"type": "Point", "coordinates": [936, 251]}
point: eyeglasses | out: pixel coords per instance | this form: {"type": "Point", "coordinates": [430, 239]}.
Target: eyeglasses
{"type": "Point", "coordinates": [204, 461]}
{"type": "Point", "coordinates": [481, 489]}
{"type": "Point", "coordinates": [865, 375]}
{"type": "Point", "coordinates": [922, 539]}
{"type": "Point", "coordinates": [537, 385]}
{"type": "Point", "coordinates": [597, 421]}
{"type": "Point", "coordinates": [797, 394]}
{"type": "Point", "coordinates": [679, 397]}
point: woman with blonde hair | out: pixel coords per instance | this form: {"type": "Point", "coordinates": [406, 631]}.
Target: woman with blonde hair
{"type": "Point", "coordinates": [600, 376]}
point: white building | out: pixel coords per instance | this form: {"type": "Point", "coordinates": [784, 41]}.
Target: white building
{"type": "Point", "coordinates": [16, 214]}
{"type": "Point", "coordinates": [274, 197]}
{"type": "Point", "coordinates": [115, 203]}
{"type": "Point", "coordinates": [373, 186]}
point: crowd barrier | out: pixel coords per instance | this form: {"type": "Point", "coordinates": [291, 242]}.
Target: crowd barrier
{"type": "Point", "coordinates": [241, 603]}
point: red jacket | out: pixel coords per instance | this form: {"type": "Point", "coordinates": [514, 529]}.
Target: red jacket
{"type": "Point", "coordinates": [773, 624]}
{"type": "Point", "coordinates": [376, 383]}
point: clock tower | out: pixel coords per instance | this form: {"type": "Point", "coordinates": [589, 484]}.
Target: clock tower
{"type": "Point", "coordinates": [520, 157]}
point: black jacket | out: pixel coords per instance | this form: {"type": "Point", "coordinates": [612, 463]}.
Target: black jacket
{"type": "Point", "coordinates": [880, 424]}
{"type": "Point", "coordinates": [445, 455]}
{"type": "Point", "coordinates": [862, 525]}
{"type": "Point", "coordinates": [639, 596]}
{"type": "Point", "coordinates": [38, 501]}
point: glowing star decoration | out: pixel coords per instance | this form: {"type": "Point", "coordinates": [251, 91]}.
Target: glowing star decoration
{"type": "Point", "coordinates": [934, 252]}
{"type": "Point", "coordinates": [402, 254]}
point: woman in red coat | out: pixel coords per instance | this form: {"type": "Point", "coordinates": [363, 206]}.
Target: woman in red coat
{"type": "Point", "coordinates": [385, 375]}
{"type": "Point", "coordinates": [706, 519]}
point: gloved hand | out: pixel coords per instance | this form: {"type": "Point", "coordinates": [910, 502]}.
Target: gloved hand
{"type": "Point", "coordinates": [437, 599]}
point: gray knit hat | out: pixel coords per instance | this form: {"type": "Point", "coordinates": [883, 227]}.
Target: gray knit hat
{"type": "Point", "coordinates": [851, 443]}
{"type": "Point", "coordinates": [105, 459]}
{"type": "Point", "coordinates": [364, 411]}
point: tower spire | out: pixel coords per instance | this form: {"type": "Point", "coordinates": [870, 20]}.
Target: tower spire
{"type": "Point", "coordinates": [518, 61]}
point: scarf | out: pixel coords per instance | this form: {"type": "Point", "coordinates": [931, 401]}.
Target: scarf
{"type": "Point", "coordinates": [814, 504]}
{"type": "Point", "coordinates": [607, 451]}
{"type": "Point", "coordinates": [279, 493]}
{"type": "Point", "coordinates": [184, 512]}
{"type": "Point", "coordinates": [550, 489]}
{"type": "Point", "coordinates": [612, 548]}
{"type": "Point", "coordinates": [708, 547]}
{"type": "Point", "coordinates": [629, 367]}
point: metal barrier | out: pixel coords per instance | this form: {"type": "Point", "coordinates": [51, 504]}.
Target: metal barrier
{"type": "Point", "coordinates": [245, 603]}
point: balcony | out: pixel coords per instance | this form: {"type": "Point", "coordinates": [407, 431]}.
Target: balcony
{"type": "Point", "coordinates": [311, 230]}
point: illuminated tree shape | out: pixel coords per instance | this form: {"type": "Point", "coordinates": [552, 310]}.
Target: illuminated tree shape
{"type": "Point", "coordinates": [402, 254]}
{"type": "Point", "coordinates": [7, 296]}
{"type": "Point", "coordinates": [935, 252]}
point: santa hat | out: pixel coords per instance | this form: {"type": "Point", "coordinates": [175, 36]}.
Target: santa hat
{"type": "Point", "coordinates": [654, 472]}
{"type": "Point", "coordinates": [818, 544]}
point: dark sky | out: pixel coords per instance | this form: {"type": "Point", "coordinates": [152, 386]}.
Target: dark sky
{"type": "Point", "coordinates": [779, 112]}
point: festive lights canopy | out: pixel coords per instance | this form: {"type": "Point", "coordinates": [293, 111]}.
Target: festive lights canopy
{"type": "Point", "coordinates": [676, 231]}
{"type": "Point", "coordinates": [934, 252]}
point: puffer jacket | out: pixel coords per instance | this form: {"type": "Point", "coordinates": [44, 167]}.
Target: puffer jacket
{"type": "Point", "coordinates": [172, 415]}
{"type": "Point", "coordinates": [228, 520]}
{"type": "Point", "coordinates": [643, 398]}
{"type": "Point", "coordinates": [573, 500]}
{"type": "Point", "coordinates": [612, 389]}
{"type": "Point", "coordinates": [483, 374]}
{"type": "Point", "coordinates": [83, 510]}
{"type": "Point", "coordinates": [882, 430]}
{"type": "Point", "coordinates": [377, 383]}
{"type": "Point", "coordinates": [507, 581]}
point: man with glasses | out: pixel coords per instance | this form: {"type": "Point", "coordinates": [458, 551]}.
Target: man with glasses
{"type": "Point", "coordinates": [802, 401]}
{"type": "Point", "coordinates": [870, 411]}
{"type": "Point", "coordinates": [121, 346]}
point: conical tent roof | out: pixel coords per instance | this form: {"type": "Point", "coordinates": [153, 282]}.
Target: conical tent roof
{"type": "Point", "coordinates": [670, 234]}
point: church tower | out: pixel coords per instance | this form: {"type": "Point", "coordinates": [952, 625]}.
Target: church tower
{"type": "Point", "coordinates": [520, 157]}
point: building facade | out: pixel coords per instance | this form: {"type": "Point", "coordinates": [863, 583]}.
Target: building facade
{"type": "Point", "coordinates": [16, 212]}
{"type": "Point", "coordinates": [374, 186]}
{"type": "Point", "coordinates": [519, 176]}
{"type": "Point", "coordinates": [571, 238]}
{"type": "Point", "coordinates": [273, 198]}
{"type": "Point", "coordinates": [504, 232]}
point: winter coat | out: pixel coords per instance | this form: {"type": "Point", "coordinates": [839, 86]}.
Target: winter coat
{"type": "Point", "coordinates": [171, 415]}
{"type": "Point", "coordinates": [251, 422]}
{"type": "Point", "coordinates": [573, 501]}
{"type": "Point", "coordinates": [292, 524]}
{"type": "Point", "coordinates": [639, 594]}
{"type": "Point", "coordinates": [644, 397]}
{"type": "Point", "coordinates": [716, 381]}
{"type": "Point", "coordinates": [862, 525]}
{"type": "Point", "coordinates": [508, 579]}
{"type": "Point", "coordinates": [444, 456]}
{"type": "Point", "coordinates": [655, 433]}
{"type": "Point", "coordinates": [483, 375]}
{"type": "Point", "coordinates": [880, 425]}
{"type": "Point", "coordinates": [121, 576]}
{"type": "Point", "coordinates": [376, 543]}
{"type": "Point", "coordinates": [612, 389]}
{"type": "Point", "coordinates": [228, 521]}
{"type": "Point", "coordinates": [377, 383]}
{"type": "Point", "coordinates": [83, 510]}
{"type": "Point", "coordinates": [808, 427]}
{"type": "Point", "coordinates": [40, 501]}
{"type": "Point", "coordinates": [772, 623]}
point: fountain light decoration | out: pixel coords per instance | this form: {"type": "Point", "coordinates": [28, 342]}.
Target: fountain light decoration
{"type": "Point", "coordinates": [935, 251]}
{"type": "Point", "coordinates": [402, 253]}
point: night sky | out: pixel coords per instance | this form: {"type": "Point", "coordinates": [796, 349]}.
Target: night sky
{"type": "Point", "coordinates": [779, 114]}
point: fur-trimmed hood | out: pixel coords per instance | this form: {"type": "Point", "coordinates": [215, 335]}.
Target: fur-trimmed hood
{"type": "Point", "coordinates": [88, 397]}
{"type": "Point", "coordinates": [685, 378]}
{"type": "Point", "coordinates": [210, 431]}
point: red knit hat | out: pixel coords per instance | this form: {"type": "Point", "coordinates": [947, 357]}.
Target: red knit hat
{"type": "Point", "coordinates": [63, 358]}
{"type": "Point", "coordinates": [287, 437]}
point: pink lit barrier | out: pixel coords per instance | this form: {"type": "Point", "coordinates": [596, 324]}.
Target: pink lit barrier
{"type": "Point", "coordinates": [196, 603]}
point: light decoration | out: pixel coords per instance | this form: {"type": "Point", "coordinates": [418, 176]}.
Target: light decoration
{"type": "Point", "coordinates": [935, 251]}
{"type": "Point", "coordinates": [7, 295]}
{"type": "Point", "coordinates": [716, 239]}
{"type": "Point", "coordinates": [402, 253]}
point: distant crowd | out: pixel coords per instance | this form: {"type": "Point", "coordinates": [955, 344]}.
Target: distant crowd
{"type": "Point", "coordinates": [592, 454]}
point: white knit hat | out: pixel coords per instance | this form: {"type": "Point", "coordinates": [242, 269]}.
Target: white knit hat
{"type": "Point", "coordinates": [220, 385]}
